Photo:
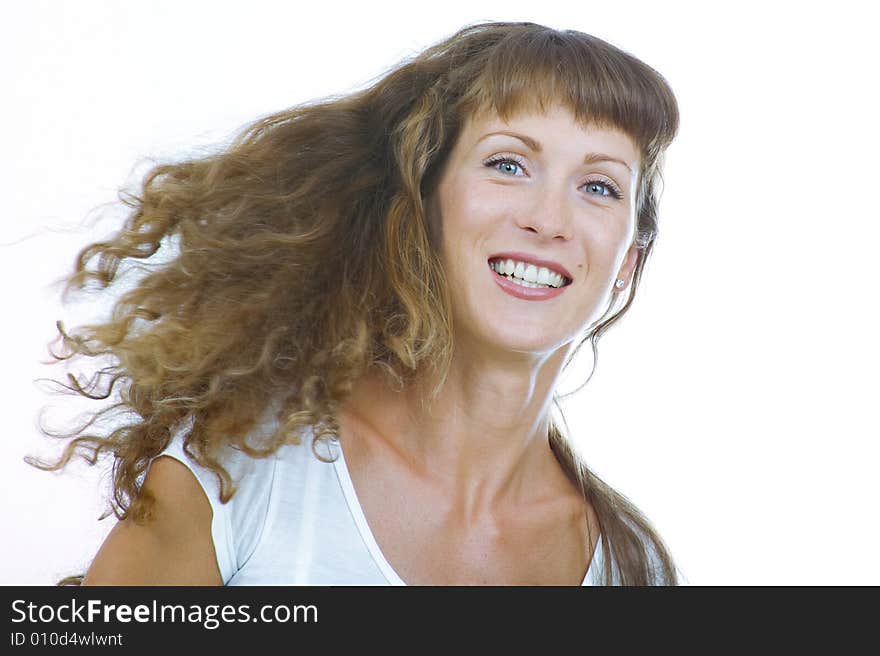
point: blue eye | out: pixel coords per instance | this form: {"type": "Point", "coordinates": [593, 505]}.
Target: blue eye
{"type": "Point", "coordinates": [510, 163]}
{"type": "Point", "coordinates": [612, 190]}
{"type": "Point", "coordinates": [507, 160]}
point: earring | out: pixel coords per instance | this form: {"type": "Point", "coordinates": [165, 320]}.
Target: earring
{"type": "Point", "coordinates": [619, 284]}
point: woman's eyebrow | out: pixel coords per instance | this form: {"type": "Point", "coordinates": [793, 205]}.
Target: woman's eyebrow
{"type": "Point", "coordinates": [590, 158]}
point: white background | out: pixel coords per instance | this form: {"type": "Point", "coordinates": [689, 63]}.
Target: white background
{"type": "Point", "coordinates": [733, 404]}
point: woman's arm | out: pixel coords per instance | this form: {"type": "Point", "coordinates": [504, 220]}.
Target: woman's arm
{"type": "Point", "coordinates": [174, 547]}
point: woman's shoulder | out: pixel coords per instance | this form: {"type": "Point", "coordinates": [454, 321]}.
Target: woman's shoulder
{"type": "Point", "coordinates": [172, 546]}
{"type": "Point", "coordinates": [236, 523]}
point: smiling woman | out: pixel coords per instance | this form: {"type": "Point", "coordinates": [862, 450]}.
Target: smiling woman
{"type": "Point", "coordinates": [340, 366]}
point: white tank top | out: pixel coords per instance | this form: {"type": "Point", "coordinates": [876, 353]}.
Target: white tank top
{"type": "Point", "coordinates": [296, 520]}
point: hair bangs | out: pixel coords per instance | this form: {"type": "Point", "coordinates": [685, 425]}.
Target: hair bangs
{"type": "Point", "coordinates": [532, 69]}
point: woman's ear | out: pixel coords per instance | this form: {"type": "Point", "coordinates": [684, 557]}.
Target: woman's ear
{"type": "Point", "coordinates": [629, 265]}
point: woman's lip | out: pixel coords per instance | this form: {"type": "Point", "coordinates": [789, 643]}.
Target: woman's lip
{"type": "Point", "coordinates": [526, 293]}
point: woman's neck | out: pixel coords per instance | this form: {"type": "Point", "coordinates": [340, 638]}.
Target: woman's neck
{"type": "Point", "coordinates": [483, 440]}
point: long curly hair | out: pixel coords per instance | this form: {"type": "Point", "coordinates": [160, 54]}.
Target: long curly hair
{"type": "Point", "coordinates": [287, 263]}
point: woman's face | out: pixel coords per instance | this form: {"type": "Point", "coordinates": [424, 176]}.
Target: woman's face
{"type": "Point", "coordinates": [534, 190]}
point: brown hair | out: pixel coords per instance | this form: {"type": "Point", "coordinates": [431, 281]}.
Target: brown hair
{"type": "Point", "coordinates": [299, 257]}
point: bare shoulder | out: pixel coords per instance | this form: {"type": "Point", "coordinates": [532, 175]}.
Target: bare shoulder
{"type": "Point", "coordinates": [174, 547]}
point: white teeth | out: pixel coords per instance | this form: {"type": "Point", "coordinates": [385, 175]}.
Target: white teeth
{"type": "Point", "coordinates": [527, 274]}
{"type": "Point", "coordinates": [525, 283]}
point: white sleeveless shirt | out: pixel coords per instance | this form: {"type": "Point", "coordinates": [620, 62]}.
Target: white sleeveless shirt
{"type": "Point", "coordinates": [296, 520]}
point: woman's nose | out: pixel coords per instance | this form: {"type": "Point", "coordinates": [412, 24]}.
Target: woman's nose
{"type": "Point", "coordinates": [550, 216]}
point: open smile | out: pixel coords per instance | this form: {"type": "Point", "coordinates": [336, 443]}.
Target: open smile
{"type": "Point", "coordinates": [526, 290]}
